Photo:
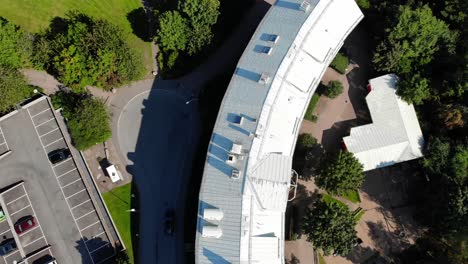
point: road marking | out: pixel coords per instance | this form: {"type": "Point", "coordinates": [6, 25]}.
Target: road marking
{"type": "Point", "coordinates": [8, 230]}
{"type": "Point", "coordinates": [3, 143]}
{"type": "Point", "coordinates": [33, 241]}
{"type": "Point", "coordinates": [71, 183]}
{"type": "Point", "coordinates": [41, 123]}
{"type": "Point", "coordinates": [40, 112]}
{"type": "Point", "coordinates": [98, 235]}
{"type": "Point", "coordinates": [91, 225]}
{"type": "Point", "coordinates": [11, 214]}
{"type": "Point", "coordinates": [59, 163]}
{"type": "Point", "coordinates": [66, 173]}
{"type": "Point", "coordinates": [79, 205]}
{"type": "Point", "coordinates": [3, 135]}
{"type": "Point", "coordinates": [7, 255]}
{"type": "Point", "coordinates": [53, 142]}
{"type": "Point", "coordinates": [16, 199]}
{"type": "Point", "coordinates": [76, 194]}
{"type": "Point", "coordinates": [85, 214]}
{"type": "Point", "coordinates": [49, 132]}
{"type": "Point", "coordinates": [34, 228]}
{"type": "Point", "coordinates": [107, 243]}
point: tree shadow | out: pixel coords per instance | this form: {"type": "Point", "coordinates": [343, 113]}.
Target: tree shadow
{"type": "Point", "coordinates": [360, 254]}
{"type": "Point", "coordinates": [332, 137]}
{"type": "Point", "coordinates": [96, 250]}
{"type": "Point", "coordinates": [139, 22]}
{"type": "Point", "coordinates": [293, 260]}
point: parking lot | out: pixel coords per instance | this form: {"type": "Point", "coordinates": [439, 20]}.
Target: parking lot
{"type": "Point", "coordinates": [60, 191]}
{"type": "Point", "coordinates": [3, 143]}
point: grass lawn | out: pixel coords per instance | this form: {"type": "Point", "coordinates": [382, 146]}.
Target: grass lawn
{"type": "Point", "coordinates": [118, 201]}
{"type": "Point", "coordinates": [309, 115]}
{"type": "Point", "coordinates": [352, 196]}
{"type": "Point", "coordinates": [329, 199]}
{"type": "Point", "coordinates": [35, 16]}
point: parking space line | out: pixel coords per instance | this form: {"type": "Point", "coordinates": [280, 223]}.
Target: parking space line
{"type": "Point", "coordinates": [100, 247]}
{"type": "Point", "coordinates": [76, 193]}
{"type": "Point", "coordinates": [2, 143]}
{"type": "Point", "coordinates": [16, 199]}
{"type": "Point", "coordinates": [99, 234]}
{"type": "Point", "coordinates": [91, 225]}
{"type": "Point", "coordinates": [66, 173]}
{"type": "Point", "coordinates": [29, 205]}
{"type": "Point", "coordinates": [85, 215]}
{"type": "Point", "coordinates": [71, 183]}
{"type": "Point", "coordinates": [42, 122]}
{"type": "Point", "coordinates": [29, 230]}
{"type": "Point", "coordinates": [34, 212]}
{"type": "Point", "coordinates": [7, 255]}
{"type": "Point", "coordinates": [58, 182]}
{"type": "Point", "coordinates": [60, 162]}
{"type": "Point", "coordinates": [33, 241]}
{"type": "Point", "coordinates": [49, 132]}
{"type": "Point", "coordinates": [79, 204]}
{"type": "Point", "coordinates": [55, 141]}
{"type": "Point", "coordinates": [4, 139]}
{"type": "Point", "coordinates": [41, 112]}
{"type": "Point", "coordinates": [8, 230]}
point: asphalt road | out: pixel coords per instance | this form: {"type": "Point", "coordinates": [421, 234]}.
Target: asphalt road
{"type": "Point", "coordinates": [158, 131]}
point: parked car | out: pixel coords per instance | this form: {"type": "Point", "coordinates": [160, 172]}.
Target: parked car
{"type": "Point", "coordinates": [2, 215]}
{"type": "Point", "coordinates": [58, 155]}
{"type": "Point", "coordinates": [169, 224]}
{"type": "Point", "coordinates": [47, 259]}
{"type": "Point", "coordinates": [7, 246]}
{"type": "Point", "coordinates": [24, 224]}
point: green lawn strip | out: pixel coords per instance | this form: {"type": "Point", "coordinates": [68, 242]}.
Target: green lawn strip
{"type": "Point", "coordinates": [340, 63]}
{"type": "Point", "coordinates": [329, 199]}
{"type": "Point", "coordinates": [321, 260]}
{"type": "Point", "coordinates": [309, 115]}
{"type": "Point", "coordinates": [352, 196]}
{"type": "Point", "coordinates": [359, 215]}
{"type": "Point", "coordinates": [115, 11]}
{"type": "Point", "coordinates": [118, 202]}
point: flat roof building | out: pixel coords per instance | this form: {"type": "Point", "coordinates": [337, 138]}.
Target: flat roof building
{"type": "Point", "coordinates": [394, 135]}
{"type": "Point", "coordinates": [248, 168]}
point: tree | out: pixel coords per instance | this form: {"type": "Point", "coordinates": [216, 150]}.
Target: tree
{"type": "Point", "coordinates": [413, 89]}
{"type": "Point", "coordinates": [85, 51]}
{"type": "Point", "coordinates": [201, 15]}
{"type": "Point", "coordinates": [341, 174]}
{"type": "Point", "coordinates": [330, 227]}
{"type": "Point", "coordinates": [459, 164]}
{"type": "Point", "coordinates": [436, 155]}
{"type": "Point", "coordinates": [333, 89]}
{"type": "Point", "coordinates": [15, 45]}
{"type": "Point", "coordinates": [172, 34]}
{"type": "Point", "coordinates": [413, 40]}
{"type": "Point", "coordinates": [305, 141]}
{"type": "Point", "coordinates": [87, 120]}
{"type": "Point", "coordinates": [453, 115]}
{"type": "Point", "coordinates": [13, 88]}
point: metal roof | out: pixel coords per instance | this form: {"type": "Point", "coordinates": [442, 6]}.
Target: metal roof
{"type": "Point", "coordinates": [394, 135]}
{"type": "Point", "coordinates": [270, 90]}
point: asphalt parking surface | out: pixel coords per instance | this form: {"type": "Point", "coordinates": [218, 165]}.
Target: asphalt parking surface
{"type": "Point", "coordinates": [71, 224]}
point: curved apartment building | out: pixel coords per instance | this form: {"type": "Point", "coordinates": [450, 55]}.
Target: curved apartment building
{"type": "Point", "coordinates": [248, 177]}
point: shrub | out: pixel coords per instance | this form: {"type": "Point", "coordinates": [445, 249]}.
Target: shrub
{"type": "Point", "coordinates": [13, 88]}
{"type": "Point", "coordinates": [15, 46]}
{"type": "Point", "coordinates": [334, 89]}
{"type": "Point", "coordinates": [340, 63]}
{"type": "Point", "coordinates": [364, 4]}
{"type": "Point", "coordinates": [306, 141]}
{"type": "Point", "coordinates": [309, 115]}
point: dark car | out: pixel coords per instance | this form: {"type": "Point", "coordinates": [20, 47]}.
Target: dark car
{"type": "Point", "coordinates": [169, 223]}
{"type": "Point", "coordinates": [59, 155]}
{"type": "Point", "coordinates": [24, 224]}
{"type": "Point", "coordinates": [7, 246]}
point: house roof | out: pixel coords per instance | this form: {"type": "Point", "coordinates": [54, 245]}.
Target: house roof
{"type": "Point", "coordinates": [394, 135]}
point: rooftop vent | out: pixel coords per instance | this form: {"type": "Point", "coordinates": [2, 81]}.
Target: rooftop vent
{"type": "Point", "coordinates": [236, 174]}
{"type": "Point", "coordinates": [236, 149]}
{"type": "Point", "coordinates": [231, 158]}
{"type": "Point", "coordinates": [264, 78]}
{"type": "Point", "coordinates": [213, 214]}
{"type": "Point", "coordinates": [267, 50]}
{"type": "Point", "coordinates": [212, 231]}
{"type": "Point", "coordinates": [305, 6]}
{"type": "Point", "coordinates": [273, 38]}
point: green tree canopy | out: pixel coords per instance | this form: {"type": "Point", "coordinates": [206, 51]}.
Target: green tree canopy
{"type": "Point", "coordinates": [87, 51]}
{"type": "Point", "coordinates": [202, 15]}
{"type": "Point", "coordinates": [413, 40]}
{"type": "Point", "coordinates": [305, 141]}
{"type": "Point", "coordinates": [333, 89]}
{"type": "Point", "coordinates": [86, 117]}
{"type": "Point", "coordinates": [413, 89]}
{"type": "Point", "coordinates": [341, 174]}
{"type": "Point", "coordinates": [172, 32]}
{"type": "Point", "coordinates": [13, 88]}
{"type": "Point", "coordinates": [15, 46]}
{"type": "Point", "coordinates": [330, 227]}
{"type": "Point", "coordinates": [436, 156]}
